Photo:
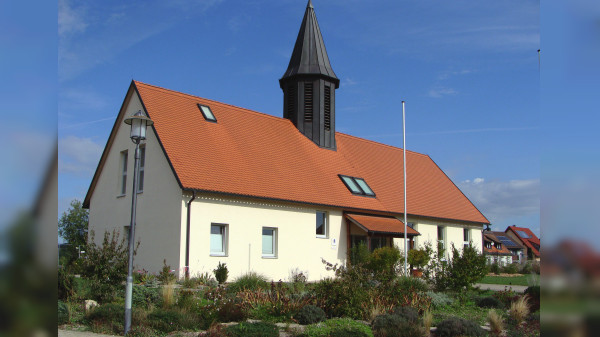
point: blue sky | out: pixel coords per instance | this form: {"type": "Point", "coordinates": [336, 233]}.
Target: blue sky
{"type": "Point", "coordinates": [468, 71]}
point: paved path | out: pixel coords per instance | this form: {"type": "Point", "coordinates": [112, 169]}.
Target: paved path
{"type": "Point", "coordinates": [498, 287]}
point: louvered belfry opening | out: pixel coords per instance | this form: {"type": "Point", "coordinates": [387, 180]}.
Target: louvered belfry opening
{"type": "Point", "coordinates": [309, 85]}
{"type": "Point", "coordinates": [327, 108]}
{"type": "Point", "coordinates": [308, 102]}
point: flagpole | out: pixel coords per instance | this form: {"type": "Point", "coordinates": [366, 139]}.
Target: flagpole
{"type": "Point", "coordinates": [404, 161]}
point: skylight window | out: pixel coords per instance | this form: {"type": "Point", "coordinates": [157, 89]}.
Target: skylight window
{"type": "Point", "coordinates": [523, 234]}
{"type": "Point", "coordinates": [357, 186]}
{"type": "Point", "coordinates": [207, 113]}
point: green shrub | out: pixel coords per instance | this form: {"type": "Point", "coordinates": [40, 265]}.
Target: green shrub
{"type": "Point", "coordinates": [143, 331]}
{"type": "Point", "coordinates": [359, 254]}
{"type": "Point", "coordinates": [383, 262]}
{"type": "Point", "coordinates": [187, 300]}
{"type": "Point", "coordinates": [455, 327]}
{"type": "Point", "coordinates": [310, 314]}
{"type": "Point", "coordinates": [412, 284]}
{"type": "Point", "coordinates": [396, 326]}
{"type": "Point", "coordinates": [66, 286]}
{"type": "Point", "coordinates": [249, 281]}
{"type": "Point", "coordinates": [344, 296]}
{"type": "Point", "coordinates": [105, 266]}
{"type": "Point", "coordinates": [221, 273]}
{"type": "Point", "coordinates": [337, 327]}
{"type": "Point", "coordinates": [63, 313]}
{"type": "Point", "coordinates": [488, 302]}
{"type": "Point", "coordinates": [511, 268]}
{"type": "Point", "coordinates": [257, 329]}
{"type": "Point", "coordinates": [495, 268]}
{"type": "Point", "coordinates": [166, 275]}
{"type": "Point", "coordinates": [407, 313]}
{"type": "Point", "coordinates": [142, 296]}
{"type": "Point", "coordinates": [418, 258]}
{"type": "Point", "coordinates": [107, 312]}
{"type": "Point", "coordinates": [533, 294]}
{"type": "Point", "coordinates": [168, 320]}
{"type": "Point", "coordinates": [440, 300]}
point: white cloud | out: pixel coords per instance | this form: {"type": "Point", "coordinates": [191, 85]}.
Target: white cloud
{"type": "Point", "coordinates": [348, 81]}
{"type": "Point", "coordinates": [70, 20]}
{"type": "Point", "coordinates": [440, 92]}
{"type": "Point", "coordinates": [78, 155]}
{"type": "Point", "coordinates": [499, 200]}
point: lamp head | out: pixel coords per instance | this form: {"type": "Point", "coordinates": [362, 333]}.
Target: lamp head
{"type": "Point", "coordinates": [138, 123]}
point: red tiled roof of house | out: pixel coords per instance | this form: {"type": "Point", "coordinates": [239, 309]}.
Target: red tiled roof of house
{"type": "Point", "coordinates": [490, 237]}
{"type": "Point", "coordinates": [247, 153]}
{"type": "Point", "coordinates": [532, 241]}
{"type": "Point", "coordinates": [381, 224]}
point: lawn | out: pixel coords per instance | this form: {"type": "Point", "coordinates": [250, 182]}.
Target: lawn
{"type": "Point", "coordinates": [520, 280]}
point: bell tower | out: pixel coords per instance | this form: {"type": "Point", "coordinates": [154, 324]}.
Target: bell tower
{"type": "Point", "coordinates": [309, 85]}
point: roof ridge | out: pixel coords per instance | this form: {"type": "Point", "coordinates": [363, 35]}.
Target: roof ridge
{"type": "Point", "coordinates": [379, 143]}
{"type": "Point", "coordinates": [179, 93]}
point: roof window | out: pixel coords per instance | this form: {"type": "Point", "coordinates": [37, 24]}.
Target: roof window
{"type": "Point", "coordinates": [523, 234]}
{"type": "Point", "coordinates": [207, 113]}
{"type": "Point", "coordinates": [357, 186]}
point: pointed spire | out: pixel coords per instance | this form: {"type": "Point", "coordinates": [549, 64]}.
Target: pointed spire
{"type": "Point", "coordinates": [310, 56]}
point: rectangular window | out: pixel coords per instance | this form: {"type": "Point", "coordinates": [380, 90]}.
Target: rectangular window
{"type": "Point", "coordinates": [142, 165]}
{"type": "Point", "coordinates": [357, 186]}
{"type": "Point", "coordinates": [126, 234]}
{"type": "Point", "coordinates": [308, 102]}
{"type": "Point", "coordinates": [378, 242]}
{"type": "Point", "coordinates": [123, 166]}
{"type": "Point", "coordinates": [411, 225]}
{"type": "Point", "coordinates": [441, 238]}
{"type": "Point", "coordinates": [327, 108]}
{"type": "Point", "coordinates": [269, 242]}
{"type": "Point", "coordinates": [218, 239]}
{"type": "Point", "coordinates": [321, 229]}
{"type": "Point", "coordinates": [466, 237]}
{"type": "Point", "coordinates": [207, 113]}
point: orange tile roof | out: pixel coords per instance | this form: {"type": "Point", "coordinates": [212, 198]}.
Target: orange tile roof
{"type": "Point", "coordinates": [532, 241]}
{"type": "Point", "coordinates": [492, 238]}
{"type": "Point", "coordinates": [381, 224]}
{"type": "Point", "coordinates": [248, 153]}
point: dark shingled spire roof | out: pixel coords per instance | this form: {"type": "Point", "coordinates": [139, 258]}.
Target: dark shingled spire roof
{"type": "Point", "coordinates": [309, 56]}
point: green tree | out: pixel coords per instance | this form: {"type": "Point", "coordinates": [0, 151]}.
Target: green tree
{"type": "Point", "coordinates": [73, 226]}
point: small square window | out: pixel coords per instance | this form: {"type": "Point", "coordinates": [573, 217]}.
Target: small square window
{"type": "Point", "coordinates": [321, 229]}
{"type": "Point", "coordinates": [218, 239]}
{"type": "Point", "coordinates": [207, 113]}
{"type": "Point", "coordinates": [269, 242]}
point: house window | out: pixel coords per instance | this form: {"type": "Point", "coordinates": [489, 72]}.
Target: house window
{"type": "Point", "coordinates": [123, 166]}
{"type": "Point", "coordinates": [466, 237]}
{"type": "Point", "coordinates": [207, 113]}
{"type": "Point", "coordinates": [269, 242]}
{"type": "Point", "coordinates": [411, 225]}
{"type": "Point", "coordinates": [357, 186]}
{"type": "Point", "coordinates": [321, 229]}
{"type": "Point", "coordinates": [218, 239]}
{"type": "Point", "coordinates": [140, 187]}
{"type": "Point", "coordinates": [378, 242]}
{"type": "Point", "coordinates": [126, 233]}
{"type": "Point", "coordinates": [441, 237]}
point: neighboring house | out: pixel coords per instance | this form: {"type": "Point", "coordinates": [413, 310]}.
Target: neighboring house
{"type": "Point", "coordinates": [526, 238]}
{"type": "Point", "coordinates": [495, 251]}
{"type": "Point", "coordinates": [571, 264]}
{"type": "Point", "coordinates": [262, 193]}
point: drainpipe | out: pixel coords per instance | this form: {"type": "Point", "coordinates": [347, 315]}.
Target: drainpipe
{"type": "Point", "coordinates": [187, 236]}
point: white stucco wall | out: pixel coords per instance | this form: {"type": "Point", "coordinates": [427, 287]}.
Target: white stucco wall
{"type": "Point", "coordinates": [158, 206]}
{"type": "Point", "coordinates": [297, 244]}
{"type": "Point", "coordinates": [453, 233]}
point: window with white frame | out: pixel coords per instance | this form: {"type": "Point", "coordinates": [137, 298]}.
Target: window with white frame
{"type": "Point", "coordinates": [218, 239]}
{"type": "Point", "coordinates": [140, 187]}
{"type": "Point", "coordinates": [466, 237]}
{"type": "Point", "coordinates": [123, 171]}
{"type": "Point", "coordinates": [321, 224]}
{"type": "Point", "coordinates": [269, 242]}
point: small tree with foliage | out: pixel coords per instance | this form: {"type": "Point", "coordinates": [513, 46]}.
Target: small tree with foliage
{"type": "Point", "coordinates": [105, 265]}
{"type": "Point", "coordinates": [73, 227]}
{"type": "Point", "coordinates": [466, 267]}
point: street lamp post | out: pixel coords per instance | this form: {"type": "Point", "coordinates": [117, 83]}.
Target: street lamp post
{"type": "Point", "coordinates": [138, 123]}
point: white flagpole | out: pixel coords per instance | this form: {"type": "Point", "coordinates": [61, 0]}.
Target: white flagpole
{"type": "Point", "coordinates": [404, 161]}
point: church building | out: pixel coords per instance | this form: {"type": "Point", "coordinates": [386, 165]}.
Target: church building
{"type": "Point", "coordinates": [220, 183]}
